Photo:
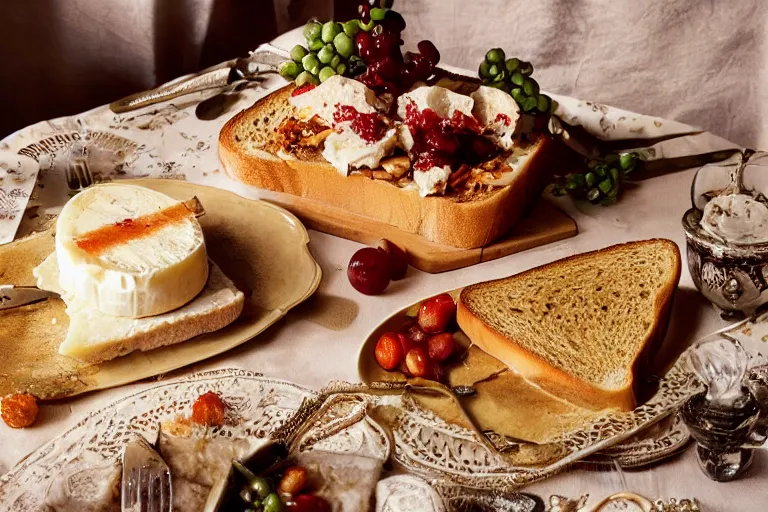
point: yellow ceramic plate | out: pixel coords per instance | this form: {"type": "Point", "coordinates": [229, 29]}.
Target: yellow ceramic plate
{"type": "Point", "coordinates": [243, 237]}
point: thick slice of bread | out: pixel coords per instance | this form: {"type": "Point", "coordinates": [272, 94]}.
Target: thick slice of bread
{"type": "Point", "coordinates": [248, 153]}
{"type": "Point", "coordinates": [218, 305]}
{"type": "Point", "coordinates": [583, 327]}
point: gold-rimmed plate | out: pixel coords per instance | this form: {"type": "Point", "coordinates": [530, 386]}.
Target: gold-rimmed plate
{"type": "Point", "coordinates": [244, 237]}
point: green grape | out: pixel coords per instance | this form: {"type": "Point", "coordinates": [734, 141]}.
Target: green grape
{"type": "Point", "coordinates": [351, 28]}
{"type": "Point", "coordinates": [495, 55]}
{"type": "Point", "coordinates": [288, 69]}
{"type": "Point", "coordinates": [542, 103]}
{"type": "Point", "coordinates": [273, 503]}
{"type": "Point", "coordinates": [335, 61]}
{"type": "Point", "coordinates": [590, 178]}
{"type": "Point", "coordinates": [341, 69]}
{"type": "Point", "coordinates": [512, 65]}
{"type": "Point", "coordinates": [311, 63]}
{"type": "Point", "coordinates": [529, 104]}
{"type": "Point", "coordinates": [593, 194]}
{"type": "Point", "coordinates": [517, 78]}
{"type": "Point", "coordinates": [326, 73]}
{"type": "Point", "coordinates": [329, 31]}
{"type": "Point", "coordinates": [312, 30]}
{"type": "Point", "coordinates": [305, 77]}
{"type": "Point", "coordinates": [493, 71]}
{"type": "Point", "coordinates": [315, 44]}
{"type": "Point", "coordinates": [605, 186]}
{"type": "Point", "coordinates": [378, 14]}
{"type": "Point", "coordinates": [526, 68]}
{"type": "Point", "coordinates": [484, 70]}
{"type": "Point", "coordinates": [530, 87]}
{"type": "Point", "coordinates": [325, 56]}
{"type": "Point", "coordinates": [627, 161]}
{"type": "Point", "coordinates": [517, 94]}
{"type": "Point", "coordinates": [344, 45]}
{"type": "Point", "coordinates": [298, 52]}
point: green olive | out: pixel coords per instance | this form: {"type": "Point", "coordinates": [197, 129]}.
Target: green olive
{"type": "Point", "coordinates": [298, 52]}
{"type": "Point", "coordinates": [351, 28]}
{"type": "Point", "coordinates": [512, 64]}
{"type": "Point", "coordinates": [329, 31]}
{"type": "Point", "coordinates": [326, 73]}
{"type": "Point", "coordinates": [311, 63]}
{"type": "Point", "coordinates": [305, 77]}
{"type": "Point", "coordinates": [312, 30]}
{"type": "Point", "coordinates": [273, 503]}
{"type": "Point", "coordinates": [315, 44]}
{"type": "Point", "coordinates": [495, 55]}
{"type": "Point", "coordinates": [344, 45]}
{"type": "Point", "coordinates": [325, 55]}
{"type": "Point", "coordinates": [289, 69]}
{"type": "Point", "coordinates": [260, 486]}
{"type": "Point", "coordinates": [378, 14]}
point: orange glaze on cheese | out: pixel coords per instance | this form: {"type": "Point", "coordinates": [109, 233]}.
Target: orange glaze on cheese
{"type": "Point", "coordinates": [99, 240]}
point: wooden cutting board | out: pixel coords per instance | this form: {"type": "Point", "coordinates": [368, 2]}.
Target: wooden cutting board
{"type": "Point", "coordinates": [544, 224]}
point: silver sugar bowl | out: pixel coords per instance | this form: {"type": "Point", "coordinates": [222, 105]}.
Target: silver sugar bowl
{"type": "Point", "coordinates": [734, 277]}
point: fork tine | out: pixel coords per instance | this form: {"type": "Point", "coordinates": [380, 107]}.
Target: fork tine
{"type": "Point", "coordinates": [151, 488]}
{"type": "Point", "coordinates": [166, 491]}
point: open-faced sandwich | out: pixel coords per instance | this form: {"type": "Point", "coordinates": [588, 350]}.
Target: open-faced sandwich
{"type": "Point", "coordinates": [131, 265]}
{"type": "Point", "coordinates": [393, 138]}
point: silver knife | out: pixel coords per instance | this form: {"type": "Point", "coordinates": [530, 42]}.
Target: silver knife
{"type": "Point", "coordinates": [259, 63]}
{"type": "Point", "coordinates": [14, 296]}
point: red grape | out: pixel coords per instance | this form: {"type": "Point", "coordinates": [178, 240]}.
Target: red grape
{"type": "Point", "coordinates": [310, 503]}
{"type": "Point", "coordinates": [441, 347]}
{"type": "Point", "coordinates": [398, 260]}
{"type": "Point", "coordinates": [415, 333]}
{"type": "Point", "coordinates": [418, 363]}
{"type": "Point", "coordinates": [368, 271]}
{"type": "Point", "coordinates": [389, 351]}
{"type": "Point", "coordinates": [429, 51]}
{"type": "Point", "coordinates": [364, 43]}
{"type": "Point", "coordinates": [437, 313]}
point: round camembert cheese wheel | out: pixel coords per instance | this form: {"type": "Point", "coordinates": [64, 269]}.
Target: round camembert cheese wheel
{"type": "Point", "coordinates": [129, 251]}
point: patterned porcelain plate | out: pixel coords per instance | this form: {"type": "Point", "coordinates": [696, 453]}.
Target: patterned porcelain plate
{"type": "Point", "coordinates": [339, 420]}
{"type": "Point", "coordinates": [626, 436]}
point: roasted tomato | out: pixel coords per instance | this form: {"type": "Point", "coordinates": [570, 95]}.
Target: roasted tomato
{"type": "Point", "coordinates": [19, 411]}
{"type": "Point", "coordinates": [209, 410]}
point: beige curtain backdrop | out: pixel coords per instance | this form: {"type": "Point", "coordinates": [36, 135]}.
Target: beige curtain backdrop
{"type": "Point", "coordinates": [703, 62]}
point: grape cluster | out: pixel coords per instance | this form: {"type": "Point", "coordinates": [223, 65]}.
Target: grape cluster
{"type": "Point", "coordinates": [514, 76]}
{"type": "Point", "coordinates": [330, 51]}
{"type": "Point", "coordinates": [388, 70]}
{"type": "Point", "coordinates": [602, 180]}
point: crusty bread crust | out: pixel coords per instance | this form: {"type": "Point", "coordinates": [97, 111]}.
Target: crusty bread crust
{"type": "Point", "coordinates": [443, 220]}
{"type": "Point", "coordinates": [556, 381]}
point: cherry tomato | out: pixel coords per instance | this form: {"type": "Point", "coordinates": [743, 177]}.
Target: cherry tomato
{"type": "Point", "coordinates": [389, 351]}
{"type": "Point", "coordinates": [208, 410]}
{"type": "Point", "coordinates": [437, 313]}
{"type": "Point", "coordinates": [19, 411]}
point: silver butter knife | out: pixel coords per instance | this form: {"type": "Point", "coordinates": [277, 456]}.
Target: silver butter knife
{"type": "Point", "coordinates": [14, 296]}
{"type": "Point", "coordinates": [146, 482]}
{"type": "Point", "coordinates": [259, 63]}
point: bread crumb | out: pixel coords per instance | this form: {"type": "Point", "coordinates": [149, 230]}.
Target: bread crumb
{"type": "Point", "coordinates": [53, 321]}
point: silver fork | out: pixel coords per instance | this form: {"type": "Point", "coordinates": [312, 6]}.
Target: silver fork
{"type": "Point", "coordinates": [146, 482]}
{"type": "Point", "coordinates": [78, 174]}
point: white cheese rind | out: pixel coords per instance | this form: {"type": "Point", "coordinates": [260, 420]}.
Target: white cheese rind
{"type": "Point", "coordinates": [323, 100]}
{"type": "Point", "coordinates": [142, 277]}
{"type": "Point", "coordinates": [345, 150]}
{"type": "Point", "coordinates": [489, 103]}
{"type": "Point", "coordinates": [431, 182]}
{"type": "Point", "coordinates": [443, 101]}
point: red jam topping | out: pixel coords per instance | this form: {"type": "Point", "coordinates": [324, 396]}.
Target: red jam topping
{"type": "Point", "coordinates": [368, 127]}
{"type": "Point", "coordinates": [439, 141]}
{"type": "Point", "coordinates": [503, 118]}
{"type": "Point", "coordinates": [105, 237]}
{"type": "Point", "coordinates": [302, 89]}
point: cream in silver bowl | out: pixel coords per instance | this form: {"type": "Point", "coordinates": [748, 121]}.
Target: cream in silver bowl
{"type": "Point", "coordinates": [727, 233]}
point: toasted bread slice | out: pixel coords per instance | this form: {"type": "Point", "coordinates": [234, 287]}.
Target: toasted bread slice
{"type": "Point", "coordinates": [249, 154]}
{"type": "Point", "coordinates": [581, 328]}
{"type": "Point", "coordinates": [218, 305]}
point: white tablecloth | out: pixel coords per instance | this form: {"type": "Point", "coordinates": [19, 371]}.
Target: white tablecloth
{"type": "Point", "coordinates": [319, 341]}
